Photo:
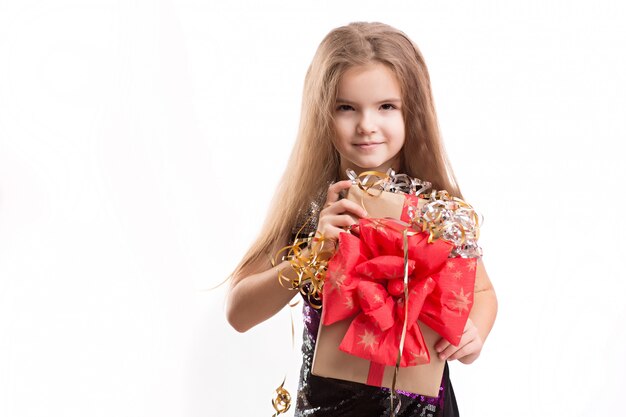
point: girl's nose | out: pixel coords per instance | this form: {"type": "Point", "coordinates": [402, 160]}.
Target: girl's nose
{"type": "Point", "coordinates": [366, 125]}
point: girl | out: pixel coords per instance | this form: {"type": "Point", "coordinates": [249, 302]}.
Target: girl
{"type": "Point", "coordinates": [367, 105]}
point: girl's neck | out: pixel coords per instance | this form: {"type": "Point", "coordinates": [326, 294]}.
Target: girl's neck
{"type": "Point", "coordinates": [395, 164]}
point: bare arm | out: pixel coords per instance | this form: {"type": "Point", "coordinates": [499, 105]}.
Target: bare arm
{"type": "Point", "coordinates": [257, 297]}
{"type": "Point", "coordinates": [485, 306]}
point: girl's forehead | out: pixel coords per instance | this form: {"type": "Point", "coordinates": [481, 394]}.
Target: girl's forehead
{"type": "Point", "coordinates": [369, 81]}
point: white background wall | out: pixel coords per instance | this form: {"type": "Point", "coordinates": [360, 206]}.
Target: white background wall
{"type": "Point", "coordinates": [140, 143]}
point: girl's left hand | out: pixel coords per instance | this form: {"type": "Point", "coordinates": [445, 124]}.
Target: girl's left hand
{"type": "Point", "coordinates": [468, 349]}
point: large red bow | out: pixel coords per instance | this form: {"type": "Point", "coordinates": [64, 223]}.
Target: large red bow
{"type": "Point", "coordinates": [365, 279]}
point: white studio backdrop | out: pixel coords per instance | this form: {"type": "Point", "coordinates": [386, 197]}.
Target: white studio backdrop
{"type": "Point", "coordinates": [140, 143]}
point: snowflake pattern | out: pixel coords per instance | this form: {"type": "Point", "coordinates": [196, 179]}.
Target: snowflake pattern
{"type": "Point", "coordinates": [461, 301]}
{"type": "Point", "coordinates": [368, 339]}
{"type": "Point", "coordinates": [349, 303]}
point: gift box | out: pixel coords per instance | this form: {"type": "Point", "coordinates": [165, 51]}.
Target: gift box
{"type": "Point", "coordinates": [364, 317]}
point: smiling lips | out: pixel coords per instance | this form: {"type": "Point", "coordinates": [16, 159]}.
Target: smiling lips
{"type": "Point", "coordinates": [368, 145]}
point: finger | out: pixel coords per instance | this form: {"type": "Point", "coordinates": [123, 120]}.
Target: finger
{"type": "Point", "coordinates": [464, 351]}
{"type": "Point", "coordinates": [337, 220]}
{"type": "Point", "coordinates": [452, 349]}
{"type": "Point", "coordinates": [335, 189]}
{"type": "Point", "coordinates": [441, 345]}
{"type": "Point", "coordinates": [341, 221]}
{"type": "Point", "coordinates": [470, 332]}
{"type": "Point", "coordinates": [447, 352]}
{"type": "Point", "coordinates": [347, 206]}
{"type": "Point", "coordinates": [331, 226]}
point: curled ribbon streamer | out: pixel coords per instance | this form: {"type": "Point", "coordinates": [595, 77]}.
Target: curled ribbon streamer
{"type": "Point", "coordinates": [452, 219]}
{"type": "Point", "coordinates": [309, 267]}
{"type": "Point", "coordinates": [389, 181]}
{"type": "Point", "coordinates": [282, 402]}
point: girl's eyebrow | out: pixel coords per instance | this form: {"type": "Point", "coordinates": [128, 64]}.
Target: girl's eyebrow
{"type": "Point", "coordinates": [389, 100]}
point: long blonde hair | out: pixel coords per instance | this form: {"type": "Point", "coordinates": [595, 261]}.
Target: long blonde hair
{"type": "Point", "coordinates": [314, 162]}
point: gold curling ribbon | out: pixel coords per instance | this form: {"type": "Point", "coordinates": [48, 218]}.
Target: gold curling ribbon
{"type": "Point", "coordinates": [310, 268]}
{"type": "Point", "coordinates": [365, 183]}
{"type": "Point", "coordinates": [282, 402]}
{"type": "Point", "coordinates": [309, 265]}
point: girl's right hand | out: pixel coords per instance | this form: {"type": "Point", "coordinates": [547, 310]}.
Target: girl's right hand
{"type": "Point", "coordinates": [338, 215]}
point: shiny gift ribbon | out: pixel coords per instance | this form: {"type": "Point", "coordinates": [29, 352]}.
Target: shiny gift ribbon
{"type": "Point", "coordinates": [310, 268]}
{"type": "Point", "coordinates": [282, 402]}
{"type": "Point", "coordinates": [375, 182]}
{"type": "Point", "coordinates": [442, 215]}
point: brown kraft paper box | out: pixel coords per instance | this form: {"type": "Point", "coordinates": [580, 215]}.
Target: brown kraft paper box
{"type": "Point", "coordinates": [331, 362]}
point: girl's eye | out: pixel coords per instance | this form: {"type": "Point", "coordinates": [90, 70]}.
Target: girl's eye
{"type": "Point", "coordinates": [344, 107]}
{"type": "Point", "coordinates": [387, 106]}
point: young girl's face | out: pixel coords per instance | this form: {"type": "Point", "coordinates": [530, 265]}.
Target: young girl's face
{"type": "Point", "coordinates": [368, 119]}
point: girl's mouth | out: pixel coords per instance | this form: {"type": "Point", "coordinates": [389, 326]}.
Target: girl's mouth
{"type": "Point", "coordinates": [369, 145]}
